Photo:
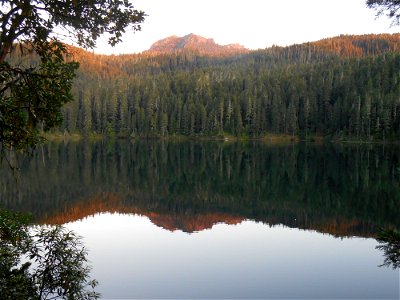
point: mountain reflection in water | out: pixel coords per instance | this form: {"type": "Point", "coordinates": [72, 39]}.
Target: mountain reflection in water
{"type": "Point", "coordinates": [134, 259]}
{"type": "Point", "coordinates": [190, 186]}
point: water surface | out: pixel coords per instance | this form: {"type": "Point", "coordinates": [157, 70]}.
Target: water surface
{"type": "Point", "coordinates": [220, 220]}
{"type": "Point", "coordinates": [134, 258]}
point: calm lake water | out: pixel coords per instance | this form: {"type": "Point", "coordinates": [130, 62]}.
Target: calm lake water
{"type": "Point", "coordinates": [220, 220]}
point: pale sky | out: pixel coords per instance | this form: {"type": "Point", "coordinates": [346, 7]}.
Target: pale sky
{"type": "Point", "coordinates": [252, 23]}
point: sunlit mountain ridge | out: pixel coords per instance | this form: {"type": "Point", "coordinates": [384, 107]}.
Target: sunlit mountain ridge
{"type": "Point", "coordinates": [193, 42]}
{"type": "Point", "coordinates": [175, 52]}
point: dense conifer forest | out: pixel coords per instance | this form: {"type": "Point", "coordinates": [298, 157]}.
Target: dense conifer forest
{"type": "Point", "coordinates": [342, 87]}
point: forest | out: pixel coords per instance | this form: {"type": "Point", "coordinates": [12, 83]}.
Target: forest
{"type": "Point", "coordinates": [346, 87]}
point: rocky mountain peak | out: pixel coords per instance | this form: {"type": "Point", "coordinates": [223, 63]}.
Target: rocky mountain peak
{"type": "Point", "coordinates": [193, 42]}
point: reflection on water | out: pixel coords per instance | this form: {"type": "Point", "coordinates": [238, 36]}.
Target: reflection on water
{"type": "Point", "coordinates": [389, 243]}
{"type": "Point", "coordinates": [341, 190]}
{"type": "Point", "coordinates": [220, 220]}
{"type": "Point", "coordinates": [133, 258]}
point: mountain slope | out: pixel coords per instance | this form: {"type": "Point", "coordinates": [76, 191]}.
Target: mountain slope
{"type": "Point", "coordinates": [342, 87]}
{"type": "Point", "coordinates": [196, 43]}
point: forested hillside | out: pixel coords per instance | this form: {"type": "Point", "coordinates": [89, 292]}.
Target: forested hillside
{"type": "Point", "coordinates": [348, 86]}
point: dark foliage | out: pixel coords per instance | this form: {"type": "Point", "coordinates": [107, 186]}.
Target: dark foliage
{"type": "Point", "coordinates": [389, 240]}
{"type": "Point", "coordinates": [41, 263]}
{"type": "Point", "coordinates": [390, 8]}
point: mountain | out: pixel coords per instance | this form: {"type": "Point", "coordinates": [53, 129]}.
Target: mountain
{"type": "Point", "coordinates": [193, 42]}
{"type": "Point", "coordinates": [344, 87]}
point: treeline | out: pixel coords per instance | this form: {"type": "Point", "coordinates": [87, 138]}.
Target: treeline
{"type": "Point", "coordinates": [348, 86]}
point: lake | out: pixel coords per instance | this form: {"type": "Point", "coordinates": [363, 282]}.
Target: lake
{"type": "Point", "coordinates": [219, 219]}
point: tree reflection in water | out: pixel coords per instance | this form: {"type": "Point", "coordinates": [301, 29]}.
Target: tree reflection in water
{"type": "Point", "coordinates": [389, 240]}
{"type": "Point", "coordinates": [343, 190]}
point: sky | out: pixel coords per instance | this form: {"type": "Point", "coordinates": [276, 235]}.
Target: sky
{"type": "Point", "coordinates": [254, 24]}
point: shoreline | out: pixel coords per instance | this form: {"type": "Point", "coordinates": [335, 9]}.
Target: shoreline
{"type": "Point", "coordinates": [266, 138]}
